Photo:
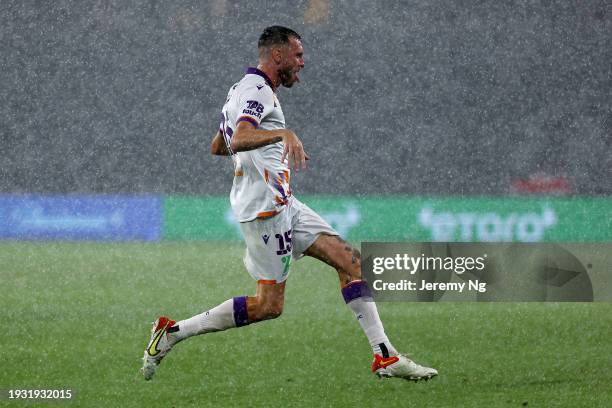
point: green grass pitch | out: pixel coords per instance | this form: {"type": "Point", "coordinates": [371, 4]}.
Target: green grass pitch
{"type": "Point", "coordinates": [78, 316]}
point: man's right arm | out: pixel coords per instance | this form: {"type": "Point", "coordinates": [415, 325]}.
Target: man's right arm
{"type": "Point", "coordinates": [218, 147]}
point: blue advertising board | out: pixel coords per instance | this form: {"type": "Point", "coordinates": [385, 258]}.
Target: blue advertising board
{"type": "Point", "coordinates": [76, 217]}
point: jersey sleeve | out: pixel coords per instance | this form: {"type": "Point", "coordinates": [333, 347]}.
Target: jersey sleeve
{"type": "Point", "coordinates": [255, 104]}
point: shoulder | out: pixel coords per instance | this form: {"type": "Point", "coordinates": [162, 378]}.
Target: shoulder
{"type": "Point", "coordinates": [257, 87]}
{"type": "Point", "coordinates": [232, 90]}
{"type": "Point", "coordinates": [255, 81]}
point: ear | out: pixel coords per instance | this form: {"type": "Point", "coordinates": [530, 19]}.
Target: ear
{"type": "Point", "coordinates": [277, 54]}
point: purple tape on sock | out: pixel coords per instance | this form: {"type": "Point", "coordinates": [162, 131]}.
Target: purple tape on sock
{"type": "Point", "coordinates": [240, 311]}
{"type": "Point", "coordinates": [355, 290]}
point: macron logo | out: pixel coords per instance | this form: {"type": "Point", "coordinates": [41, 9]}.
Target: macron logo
{"type": "Point", "coordinates": [259, 87]}
{"type": "Point", "coordinates": [265, 238]}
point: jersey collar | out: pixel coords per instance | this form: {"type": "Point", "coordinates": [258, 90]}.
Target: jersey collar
{"type": "Point", "coordinates": [255, 71]}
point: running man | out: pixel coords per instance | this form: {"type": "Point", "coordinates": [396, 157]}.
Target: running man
{"type": "Point", "coordinates": [277, 227]}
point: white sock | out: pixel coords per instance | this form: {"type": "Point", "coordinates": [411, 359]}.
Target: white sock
{"type": "Point", "coordinates": [218, 318]}
{"type": "Point", "coordinates": [367, 316]}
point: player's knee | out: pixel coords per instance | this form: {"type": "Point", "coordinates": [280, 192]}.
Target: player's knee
{"type": "Point", "coordinates": [356, 258]}
{"type": "Point", "coordinates": [350, 268]}
{"type": "Point", "coordinates": [268, 311]}
{"type": "Point", "coordinates": [275, 312]}
{"type": "Point", "coordinates": [271, 311]}
{"type": "Point", "coordinates": [353, 265]}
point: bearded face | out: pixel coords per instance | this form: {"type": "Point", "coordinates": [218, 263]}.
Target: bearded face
{"type": "Point", "coordinates": [292, 61]}
{"type": "Point", "coordinates": [288, 76]}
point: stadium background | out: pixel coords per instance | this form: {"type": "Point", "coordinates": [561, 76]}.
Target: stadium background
{"type": "Point", "coordinates": [425, 121]}
{"type": "Point", "coordinates": [418, 99]}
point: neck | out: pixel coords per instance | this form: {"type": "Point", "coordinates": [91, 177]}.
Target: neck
{"type": "Point", "coordinates": [270, 72]}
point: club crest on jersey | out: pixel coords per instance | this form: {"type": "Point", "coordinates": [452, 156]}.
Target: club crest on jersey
{"type": "Point", "coordinates": [265, 238]}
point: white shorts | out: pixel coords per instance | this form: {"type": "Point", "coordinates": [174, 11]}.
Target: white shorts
{"type": "Point", "coordinates": [272, 243]}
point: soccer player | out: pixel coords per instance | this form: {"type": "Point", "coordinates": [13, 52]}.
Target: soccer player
{"type": "Point", "coordinates": [277, 227]}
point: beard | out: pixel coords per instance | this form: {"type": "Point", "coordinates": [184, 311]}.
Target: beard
{"type": "Point", "coordinates": [286, 77]}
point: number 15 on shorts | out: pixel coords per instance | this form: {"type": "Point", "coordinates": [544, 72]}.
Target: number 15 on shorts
{"type": "Point", "coordinates": [284, 248]}
{"type": "Point", "coordinates": [284, 243]}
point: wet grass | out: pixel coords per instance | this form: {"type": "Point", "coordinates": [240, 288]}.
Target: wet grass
{"type": "Point", "coordinates": [77, 316]}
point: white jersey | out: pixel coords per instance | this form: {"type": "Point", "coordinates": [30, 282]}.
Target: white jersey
{"type": "Point", "coordinates": [261, 181]}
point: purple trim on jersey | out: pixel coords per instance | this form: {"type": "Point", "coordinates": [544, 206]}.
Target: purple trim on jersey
{"type": "Point", "coordinates": [247, 119]}
{"type": "Point", "coordinates": [356, 290]}
{"type": "Point", "coordinates": [255, 71]}
{"type": "Point", "coordinates": [280, 189]}
{"type": "Point", "coordinates": [240, 311]}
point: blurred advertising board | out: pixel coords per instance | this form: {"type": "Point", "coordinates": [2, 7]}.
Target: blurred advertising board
{"type": "Point", "coordinates": [81, 217]}
{"type": "Point", "coordinates": [397, 218]}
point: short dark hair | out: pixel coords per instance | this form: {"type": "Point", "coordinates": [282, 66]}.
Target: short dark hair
{"type": "Point", "coordinates": [276, 35]}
